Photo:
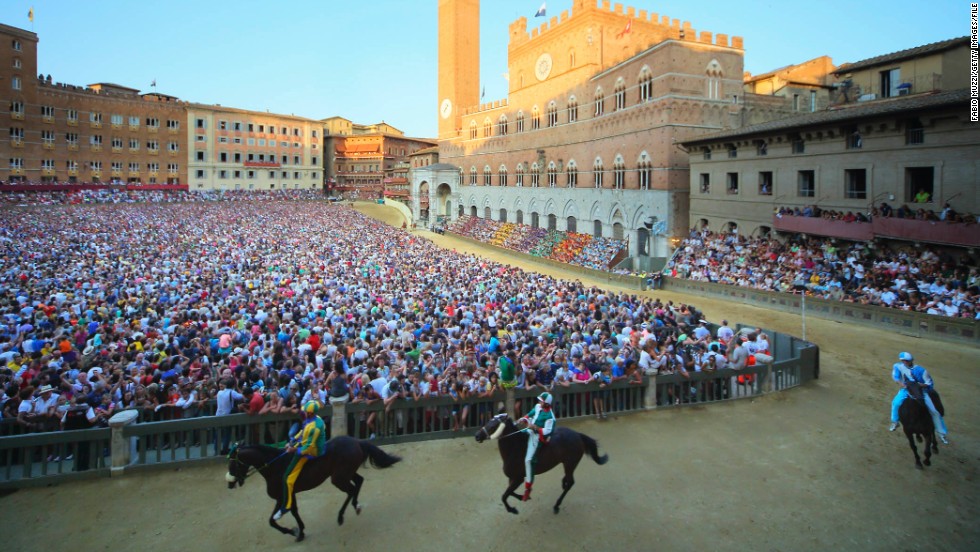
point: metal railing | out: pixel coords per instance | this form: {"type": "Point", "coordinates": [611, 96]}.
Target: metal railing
{"type": "Point", "coordinates": [45, 458]}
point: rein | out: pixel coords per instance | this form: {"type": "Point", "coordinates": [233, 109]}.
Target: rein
{"type": "Point", "coordinates": [252, 470]}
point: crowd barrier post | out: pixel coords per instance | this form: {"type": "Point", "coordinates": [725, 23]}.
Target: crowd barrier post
{"type": "Point", "coordinates": [650, 393]}
{"type": "Point", "coordinates": [338, 416]}
{"type": "Point", "coordinates": [121, 447]}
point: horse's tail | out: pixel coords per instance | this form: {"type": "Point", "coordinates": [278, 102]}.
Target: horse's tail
{"type": "Point", "coordinates": [379, 458]}
{"type": "Point", "coordinates": [593, 448]}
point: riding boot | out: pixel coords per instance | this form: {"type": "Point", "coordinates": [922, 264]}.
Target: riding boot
{"type": "Point", "coordinates": [527, 492]}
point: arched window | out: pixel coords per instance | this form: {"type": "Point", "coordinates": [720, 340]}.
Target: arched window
{"type": "Point", "coordinates": [572, 109]}
{"type": "Point", "coordinates": [643, 241]}
{"type": "Point", "coordinates": [486, 175]}
{"type": "Point", "coordinates": [502, 176]}
{"type": "Point", "coordinates": [486, 213]}
{"type": "Point", "coordinates": [552, 223]}
{"type": "Point", "coordinates": [552, 175]}
{"type": "Point", "coordinates": [503, 215]}
{"type": "Point", "coordinates": [487, 128]}
{"type": "Point", "coordinates": [473, 211]}
{"type": "Point", "coordinates": [645, 84]}
{"type": "Point", "coordinates": [552, 114]}
{"type": "Point", "coordinates": [596, 227]}
{"type": "Point", "coordinates": [472, 130]}
{"type": "Point", "coordinates": [520, 217]}
{"type": "Point", "coordinates": [620, 93]}
{"type": "Point", "coordinates": [535, 175]}
{"type": "Point", "coordinates": [619, 173]}
{"type": "Point", "coordinates": [571, 224]}
{"type": "Point", "coordinates": [644, 170]}
{"type": "Point", "coordinates": [520, 121]}
{"type": "Point", "coordinates": [519, 175]}
{"type": "Point", "coordinates": [617, 231]}
{"type": "Point", "coordinates": [472, 176]}
{"type": "Point", "coordinates": [599, 108]}
{"type": "Point", "coordinates": [535, 118]}
{"type": "Point", "coordinates": [714, 75]}
{"type": "Point", "coordinates": [534, 220]}
{"type": "Point", "coordinates": [571, 175]}
{"type": "Point", "coordinates": [571, 59]}
{"type": "Point", "coordinates": [502, 126]}
{"type": "Point", "coordinates": [597, 173]}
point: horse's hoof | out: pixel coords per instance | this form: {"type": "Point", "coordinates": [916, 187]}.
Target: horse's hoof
{"type": "Point", "coordinates": [512, 510]}
{"type": "Point", "coordinates": [927, 462]}
{"type": "Point", "coordinates": [300, 537]}
{"type": "Point", "coordinates": [357, 510]}
{"type": "Point", "coordinates": [340, 520]}
{"type": "Point", "coordinates": [557, 509]}
{"type": "Point", "coordinates": [918, 466]}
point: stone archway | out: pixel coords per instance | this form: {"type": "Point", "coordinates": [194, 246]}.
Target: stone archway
{"type": "Point", "coordinates": [443, 201]}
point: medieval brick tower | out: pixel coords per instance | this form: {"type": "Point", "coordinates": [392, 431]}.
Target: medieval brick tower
{"type": "Point", "coordinates": [459, 62]}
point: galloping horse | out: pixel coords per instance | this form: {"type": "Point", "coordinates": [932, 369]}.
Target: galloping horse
{"type": "Point", "coordinates": [340, 462]}
{"type": "Point", "coordinates": [917, 422]}
{"type": "Point", "coordinates": [566, 447]}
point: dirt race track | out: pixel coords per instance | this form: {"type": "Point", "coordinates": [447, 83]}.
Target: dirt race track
{"type": "Point", "coordinates": [810, 469]}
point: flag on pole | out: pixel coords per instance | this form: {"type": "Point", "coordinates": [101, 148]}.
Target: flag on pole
{"type": "Point", "coordinates": [153, 84]}
{"type": "Point", "coordinates": [541, 11]}
{"type": "Point", "coordinates": [30, 14]}
{"type": "Point", "coordinates": [484, 93]}
{"type": "Point", "coordinates": [626, 31]}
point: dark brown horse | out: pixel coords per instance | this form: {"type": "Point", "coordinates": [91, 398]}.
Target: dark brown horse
{"type": "Point", "coordinates": [917, 422]}
{"type": "Point", "coordinates": [566, 447]}
{"type": "Point", "coordinates": [340, 462]}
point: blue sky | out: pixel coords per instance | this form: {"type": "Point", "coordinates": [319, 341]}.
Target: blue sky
{"type": "Point", "coordinates": [376, 60]}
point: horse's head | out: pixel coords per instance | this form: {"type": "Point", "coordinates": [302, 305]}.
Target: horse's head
{"type": "Point", "coordinates": [237, 470]}
{"type": "Point", "coordinates": [493, 429]}
{"type": "Point", "coordinates": [914, 390]}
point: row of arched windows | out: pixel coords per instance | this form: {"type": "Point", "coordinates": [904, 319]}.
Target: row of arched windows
{"type": "Point", "coordinates": [644, 89]}
{"type": "Point", "coordinates": [571, 223]}
{"type": "Point", "coordinates": [617, 177]}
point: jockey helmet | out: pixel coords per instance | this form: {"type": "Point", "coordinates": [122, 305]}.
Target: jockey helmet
{"type": "Point", "coordinates": [545, 398]}
{"type": "Point", "coordinates": [311, 408]}
{"type": "Point", "coordinates": [904, 356]}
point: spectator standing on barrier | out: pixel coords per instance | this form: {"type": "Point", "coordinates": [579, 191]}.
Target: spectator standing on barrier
{"type": "Point", "coordinates": [762, 352]}
{"type": "Point", "coordinates": [724, 332]}
{"type": "Point", "coordinates": [226, 398]}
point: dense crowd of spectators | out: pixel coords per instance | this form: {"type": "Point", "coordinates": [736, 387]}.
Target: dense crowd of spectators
{"type": "Point", "coordinates": [209, 308]}
{"type": "Point", "coordinates": [909, 277]}
{"type": "Point", "coordinates": [566, 247]}
{"type": "Point", "coordinates": [946, 214]}
{"type": "Point", "coordinates": [107, 196]}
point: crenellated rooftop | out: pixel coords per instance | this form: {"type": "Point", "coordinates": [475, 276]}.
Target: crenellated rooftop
{"type": "Point", "coordinates": [643, 22]}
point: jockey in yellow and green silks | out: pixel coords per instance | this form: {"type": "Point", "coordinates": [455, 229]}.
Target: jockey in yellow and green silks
{"type": "Point", "coordinates": [309, 442]}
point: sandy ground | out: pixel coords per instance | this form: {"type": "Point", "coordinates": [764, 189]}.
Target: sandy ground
{"type": "Point", "coordinates": [810, 469]}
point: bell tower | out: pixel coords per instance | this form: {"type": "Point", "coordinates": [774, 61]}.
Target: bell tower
{"type": "Point", "coordinates": [459, 62]}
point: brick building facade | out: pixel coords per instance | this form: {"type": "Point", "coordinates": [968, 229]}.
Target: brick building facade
{"type": "Point", "coordinates": [102, 132]}
{"type": "Point", "coordinates": [587, 139]}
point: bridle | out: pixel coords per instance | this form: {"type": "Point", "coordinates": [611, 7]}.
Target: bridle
{"type": "Point", "coordinates": [252, 470]}
{"type": "Point", "coordinates": [490, 436]}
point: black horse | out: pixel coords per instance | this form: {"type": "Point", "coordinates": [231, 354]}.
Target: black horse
{"type": "Point", "coordinates": [565, 447]}
{"type": "Point", "coordinates": [917, 422]}
{"type": "Point", "coordinates": [340, 462]}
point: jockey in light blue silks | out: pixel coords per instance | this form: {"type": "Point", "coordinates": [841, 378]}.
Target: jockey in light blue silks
{"type": "Point", "coordinates": [904, 371]}
{"type": "Point", "coordinates": [540, 424]}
